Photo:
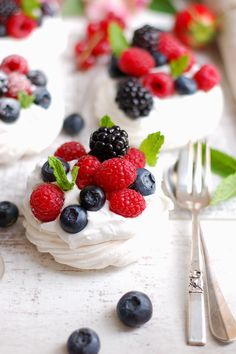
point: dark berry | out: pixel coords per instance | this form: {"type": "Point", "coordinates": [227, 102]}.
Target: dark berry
{"type": "Point", "coordinates": [3, 83]}
{"type": "Point", "coordinates": [73, 124]}
{"type": "Point", "coordinates": [106, 143]}
{"type": "Point", "coordinates": [37, 77]}
{"type": "Point", "coordinates": [7, 8]}
{"type": "Point", "coordinates": [47, 172]}
{"type": "Point", "coordinates": [134, 99]}
{"type": "Point", "coordinates": [42, 97]}
{"type": "Point", "coordinates": [92, 198]}
{"type": "Point", "coordinates": [73, 219]}
{"type": "Point", "coordinates": [49, 8]}
{"type": "Point", "coordinates": [83, 341]}
{"type": "Point", "coordinates": [9, 110]}
{"type": "Point", "coordinates": [145, 182]}
{"type": "Point", "coordinates": [146, 37]}
{"type": "Point", "coordinates": [160, 59]}
{"type": "Point", "coordinates": [134, 309]}
{"type": "Point", "coordinates": [3, 30]}
{"type": "Point", "coordinates": [185, 86]}
{"type": "Point", "coordinates": [113, 68]}
{"type": "Point", "coordinates": [8, 214]}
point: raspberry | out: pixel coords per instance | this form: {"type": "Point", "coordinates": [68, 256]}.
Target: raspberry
{"type": "Point", "coordinates": [46, 202]}
{"type": "Point", "coordinates": [15, 63]}
{"type": "Point", "coordinates": [127, 203]}
{"type": "Point", "coordinates": [18, 83]}
{"type": "Point", "coordinates": [115, 174]}
{"type": "Point", "coordinates": [136, 157]}
{"type": "Point", "coordinates": [72, 150]}
{"type": "Point", "coordinates": [20, 26]}
{"type": "Point", "coordinates": [136, 62]}
{"type": "Point", "coordinates": [207, 77]}
{"type": "Point", "coordinates": [88, 165]}
{"type": "Point", "coordinates": [160, 84]}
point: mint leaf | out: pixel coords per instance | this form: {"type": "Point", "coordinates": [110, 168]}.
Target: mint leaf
{"type": "Point", "coordinates": [151, 147]}
{"type": "Point", "coordinates": [25, 100]}
{"type": "Point", "coordinates": [163, 6]}
{"type": "Point", "coordinates": [60, 174]}
{"type": "Point", "coordinates": [72, 8]}
{"type": "Point", "coordinates": [31, 8]}
{"type": "Point", "coordinates": [117, 40]}
{"type": "Point", "coordinates": [225, 190]}
{"type": "Point", "coordinates": [178, 66]}
{"type": "Point", "coordinates": [106, 122]}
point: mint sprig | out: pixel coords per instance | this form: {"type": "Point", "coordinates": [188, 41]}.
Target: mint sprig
{"type": "Point", "coordinates": [60, 174]}
{"type": "Point", "coordinates": [25, 100]}
{"type": "Point", "coordinates": [178, 66]}
{"type": "Point", "coordinates": [117, 39]}
{"type": "Point", "coordinates": [225, 190]}
{"type": "Point", "coordinates": [31, 8]}
{"type": "Point", "coordinates": [165, 6]}
{"type": "Point", "coordinates": [151, 147]}
{"type": "Point", "coordinates": [106, 122]}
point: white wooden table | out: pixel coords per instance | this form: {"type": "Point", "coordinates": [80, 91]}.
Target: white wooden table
{"type": "Point", "coordinates": [42, 302]}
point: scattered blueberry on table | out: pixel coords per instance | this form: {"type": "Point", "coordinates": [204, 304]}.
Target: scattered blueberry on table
{"type": "Point", "coordinates": [8, 214]}
{"type": "Point", "coordinates": [83, 341]}
{"type": "Point", "coordinates": [73, 124]}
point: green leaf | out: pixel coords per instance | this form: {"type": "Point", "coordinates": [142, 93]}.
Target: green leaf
{"type": "Point", "coordinates": [72, 8]}
{"type": "Point", "coordinates": [225, 190]}
{"type": "Point", "coordinates": [106, 122]}
{"type": "Point", "coordinates": [117, 39]}
{"type": "Point", "coordinates": [178, 66]}
{"type": "Point", "coordinates": [151, 147]}
{"type": "Point", "coordinates": [31, 8]}
{"type": "Point", "coordinates": [60, 174]}
{"type": "Point", "coordinates": [203, 33]}
{"type": "Point", "coordinates": [163, 6]}
{"type": "Point", "coordinates": [25, 100]}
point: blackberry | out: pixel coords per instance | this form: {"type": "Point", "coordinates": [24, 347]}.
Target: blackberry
{"type": "Point", "coordinates": [146, 37]}
{"type": "Point", "coordinates": [7, 8]}
{"type": "Point", "coordinates": [106, 143]}
{"type": "Point", "coordinates": [113, 68]}
{"type": "Point", "coordinates": [134, 99]}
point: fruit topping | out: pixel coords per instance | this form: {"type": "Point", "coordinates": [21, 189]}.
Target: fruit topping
{"type": "Point", "coordinates": [42, 97]}
{"type": "Point", "coordinates": [145, 182]}
{"type": "Point", "coordinates": [73, 124]}
{"type": "Point", "coordinates": [92, 198]}
{"type": "Point", "coordinates": [47, 171]}
{"type": "Point", "coordinates": [37, 77]}
{"type": "Point", "coordinates": [127, 203]}
{"type": "Point", "coordinates": [9, 110]}
{"type": "Point", "coordinates": [113, 68]}
{"type": "Point", "coordinates": [83, 341]}
{"type": "Point", "coordinates": [69, 151]}
{"type": "Point", "coordinates": [134, 99]}
{"type": "Point", "coordinates": [207, 77]}
{"type": "Point", "coordinates": [88, 165]}
{"type": "Point", "coordinates": [159, 84]}
{"type": "Point", "coordinates": [134, 309]}
{"type": "Point", "coordinates": [136, 157]}
{"type": "Point", "coordinates": [185, 85]}
{"type": "Point", "coordinates": [3, 83]}
{"type": "Point", "coordinates": [20, 26]}
{"type": "Point", "coordinates": [160, 59]}
{"type": "Point", "coordinates": [73, 218]}
{"type": "Point", "coordinates": [18, 83]}
{"type": "Point", "coordinates": [146, 37]}
{"type": "Point", "coordinates": [46, 202]}
{"type": "Point", "coordinates": [136, 62]}
{"type": "Point", "coordinates": [8, 213]}
{"type": "Point", "coordinates": [14, 63]}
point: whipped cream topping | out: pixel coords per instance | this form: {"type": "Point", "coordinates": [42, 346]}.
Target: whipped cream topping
{"type": "Point", "coordinates": [179, 117]}
{"type": "Point", "coordinates": [108, 239]}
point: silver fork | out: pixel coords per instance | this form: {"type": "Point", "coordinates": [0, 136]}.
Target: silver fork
{"type": "Point", "coordinates": [192, 191]}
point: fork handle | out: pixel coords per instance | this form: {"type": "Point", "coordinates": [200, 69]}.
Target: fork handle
{"type": "Point", "coordinates": [196, 300]}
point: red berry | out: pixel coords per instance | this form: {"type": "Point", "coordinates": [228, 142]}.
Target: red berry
{"type": "Point", "coordinates": [20, 26]}
{"type": "Point", "coordinates": [207, 77]}
{"type": "Point", "coordinates": [103, 47]}
{"type": "Point", "coordinates": [93, 28]}
{"type": "Point", "coordinates": [168, 45]}
{"type": "Point", "coordinates": [159, 84]}
{"type": "Point", "coordinates": [14, 63]}
{"type": "Point", "coordinates": [127, 202]}
{"type": "Point", "coordinates": [72, 150]}
{"type": "Point", "coordinates": [136, 62]}
{"type": "Point", "coordinates": [136, 157]}
{"type": "Point", "coordinates": [80, 47]}
{"type": "Point", "coordinates": [46, 202]}
{"type": "Point", "coordinates": [18, 83]}
{"type": "Point", "coordinates": [88, 165]}
{"type": "Point", "coordinates": [115, 174]}
{"type": "Point", "coordinates": [85, 64]}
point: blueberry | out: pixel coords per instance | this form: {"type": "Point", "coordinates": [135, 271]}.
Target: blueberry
{"type": "Point", "coordinates": [134, 309]}
{"type": "Point", "coordinates": [8, 214]}
{"type": "Point", "coordinates": [3, 83]}
{"type": "Point", "coordinates": [73, 219]}
{"type": "Point", "coordinates": [113, 68]}
{"type": "Point", "coordinates": [73, 124]}
{"type": "Point", "coordinates": [42, 97]}
{"type": "Point", "coordinates": [92, 198]}
{"type": "Point", "coordinates": [49, 8]}
{"type": "Point", "coordinates": [83, 341]}
{"type": "Point", "coordinates": [160, 59]}
{"type": "Point", "coordinates": [3, 30]}
{"type": "Point", "coordinates": [9, 110]}
{"type": "Point", "coordinates": [47, 172]}
{"type": "Point", "coordinates": [145, 182]}
{"type": "Point", "coordinates": [185, 86]}
{"type": "Point", "coordinates": [37, 77]}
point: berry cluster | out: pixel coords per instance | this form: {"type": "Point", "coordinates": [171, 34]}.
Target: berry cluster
{"type": "Point", "coordinates": [20, 87]}
{"type": "Point", "coordinates": [122, 181]}
{"type": "Point", "coordinates": [96, 43]}
{"type": "Point", "coordinates": [18, 20]}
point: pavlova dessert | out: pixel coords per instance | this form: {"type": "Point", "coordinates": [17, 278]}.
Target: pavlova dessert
{"type": "Point", "coordinates": [92, 210]}
{"type": "Point", "coordinates": [154, 83]}
{"type": "Point", "coordinates": [31, 109]}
